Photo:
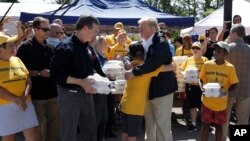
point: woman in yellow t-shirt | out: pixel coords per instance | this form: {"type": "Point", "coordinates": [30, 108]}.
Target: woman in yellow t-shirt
{"type": "Point", "coordinates": [193, 90]}
{"type": "Point", "coordinates": [185, 50]}
{"type": "Point", "coordinates": [119, 50]}
{"type": "Point", "coordinates": [17, 111]}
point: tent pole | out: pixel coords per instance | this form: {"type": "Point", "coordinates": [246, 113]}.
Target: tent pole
{"type": "Point", "coordinates": [228, 10]}
{"type": "Point", "coordinates": [7, 12]}
{"type": "Point", "coordinates": [66, 10]}
{"type": "Point", "coordinates": [58, 9]}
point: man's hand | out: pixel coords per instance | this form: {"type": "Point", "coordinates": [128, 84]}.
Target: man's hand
{"type": "Point", "coordinates": [129, 74]}
{"type": "Point", "coordinates": [45, 73]}
{"type": "Point", "coordinates": [224, 25]}
{"type": "Point", "coordinates": [128, 66]}
{"type": "Point", "coordinates": [223, 93]}
{"type": "Point", "coordinates": [86, 85]}
{"type": "Point", "coordinates": [118, 57]}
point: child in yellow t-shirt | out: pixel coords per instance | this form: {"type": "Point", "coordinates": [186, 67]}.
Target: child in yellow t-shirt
{"type": "Point", "coordinates": [214, 108]}
{"type": "Point", "coordinates": [135, 95]}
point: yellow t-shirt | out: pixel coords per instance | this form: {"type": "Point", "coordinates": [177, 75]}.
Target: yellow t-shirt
{"type": "Point", "coordinates": [224, 74]}
{"type": "Point", "coordinates": [111, 40]}
{"type": "Point", "coordinates": [118, 50]}
{"type": "Point", "coordinates": [107, 52]}
{"type": "Point", "coordinates": [183, 52]}
{"type": "Point", "coordinates": [13, 77]}
{"type": "Point", "coordinates": [190, 62]}
{"type": "Point", "coordinates": [135, 95]}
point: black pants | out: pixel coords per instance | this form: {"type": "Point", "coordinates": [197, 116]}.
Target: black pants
{"type": "Point", "coordinates": [111, 116]}
{"type": "Point", "coordinates": [100, 103]}
{"type": "Point", "coordinates": [77, 111]}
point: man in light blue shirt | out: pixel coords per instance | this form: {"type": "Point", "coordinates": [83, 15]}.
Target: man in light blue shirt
{"type": "Point", "coordinates": [56, 34]}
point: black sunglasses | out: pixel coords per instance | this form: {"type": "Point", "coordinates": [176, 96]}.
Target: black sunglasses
{"type": "Point", "coordinates": [59, 32]}
{"type": "Point", "coordinates": [44, 29]}
{"type": "Point", "coordinates": [197, 48]}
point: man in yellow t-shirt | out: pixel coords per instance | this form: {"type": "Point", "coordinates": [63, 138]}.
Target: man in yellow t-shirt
{"type": "Point", "coordinates": [111, 40]}
{"type": "Point", "coordinates": [222, 72]}
{"type": "Point", "coordinates": [119, 50]}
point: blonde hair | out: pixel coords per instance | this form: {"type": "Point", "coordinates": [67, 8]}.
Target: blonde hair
{"type": "Point", "coordinates": [98, 41]}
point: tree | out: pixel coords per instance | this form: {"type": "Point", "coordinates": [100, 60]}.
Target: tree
{"type": "Point", "coordinates": [63, 1]}
{"type": "Point", "coordinates": [196, 8]}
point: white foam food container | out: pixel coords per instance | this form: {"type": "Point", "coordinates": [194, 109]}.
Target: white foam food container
{"type": "Point", "coordinates": [212, 89]}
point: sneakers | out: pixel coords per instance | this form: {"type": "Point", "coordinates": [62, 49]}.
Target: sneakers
{"type": "Point", "coordinates": [192, 128]}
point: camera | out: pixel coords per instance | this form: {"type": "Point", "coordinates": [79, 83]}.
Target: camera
{"type": "Point", "coordinates": [207, 33]}
{"type": "Point", "coordinates": [228, 23]}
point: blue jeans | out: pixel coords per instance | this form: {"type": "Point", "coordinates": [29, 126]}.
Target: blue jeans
{"type": "Point", "coordinates": [77, 110]}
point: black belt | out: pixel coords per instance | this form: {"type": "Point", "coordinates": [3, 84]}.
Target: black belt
{"type": "Point", "coordinates": [74, 90]}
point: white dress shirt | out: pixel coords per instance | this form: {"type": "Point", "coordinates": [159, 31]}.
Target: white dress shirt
{"type": "Point", "coordinates": [146, 44]}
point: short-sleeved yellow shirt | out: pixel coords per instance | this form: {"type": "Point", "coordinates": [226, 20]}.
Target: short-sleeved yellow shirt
{"type": "Point", "coordinates": [111, 40]}
{"type": "Point", "coordinates": [224, 74]}
{"type": "Point", "coordinates": [118, 50]}
{"type": "Point", "coordinates": [193, 63]}
{"type": "Point", "coordinates": [135, 95]}
{"type": "Point", "coordinates": [183, 52]}
{"type": "Point", "coordinates": [13, 77]}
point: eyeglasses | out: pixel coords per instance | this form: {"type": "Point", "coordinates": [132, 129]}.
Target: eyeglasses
{"type": "Point", "coordinates": [45, 29]}
{"type": "Point", "coordinates": [197, 48]}
{"type": "Point", "coordinates": [59, 33]}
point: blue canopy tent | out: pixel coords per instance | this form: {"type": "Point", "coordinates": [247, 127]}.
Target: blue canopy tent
{"type": "Point", "coordinates": [111, 11]}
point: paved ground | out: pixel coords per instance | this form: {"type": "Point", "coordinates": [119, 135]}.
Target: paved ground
{"type": "Point", "coordinates": [178, 128]}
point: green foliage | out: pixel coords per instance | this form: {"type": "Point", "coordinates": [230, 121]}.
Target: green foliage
{"type": "Point", "coordinates": [208, 12]}
{"type": "Point", "coordinates": [63, 1]}
{"type": "Point", "coordinates": [195, 8]}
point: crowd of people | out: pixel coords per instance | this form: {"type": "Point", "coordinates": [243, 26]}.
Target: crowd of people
{"type": "Point", "coordinates": [45, 91]}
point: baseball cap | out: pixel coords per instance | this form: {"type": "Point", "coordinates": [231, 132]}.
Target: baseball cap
{"type": "Point", "coordinates": [201, 37]}
{"type": "Point", "coordinates": [187, 37]}
{"type": "Point", "coordinates": [222, 44]}
{"type": "Point", "coordinates": [196, 44]}
{"type": "Point", "coordinates": [118, 25]}
{"type": "Point", "coordinates": [6, 39]}
{"type": "Point", "coordinates": [120, 32]}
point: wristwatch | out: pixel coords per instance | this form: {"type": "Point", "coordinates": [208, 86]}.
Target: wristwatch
{"type": "Point", "coordinates": [38, 73]}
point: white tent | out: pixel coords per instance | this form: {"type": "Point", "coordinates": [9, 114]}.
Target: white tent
{"type": "Point", "coordinates": [17, 8]}
{"type": "Point", "coordinates": [35, 7]}
{"type": "Point", "coordinates": [240, 7]}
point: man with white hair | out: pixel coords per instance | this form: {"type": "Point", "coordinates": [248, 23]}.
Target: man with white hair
{"type": "Point", "coordinates": [159, 107]}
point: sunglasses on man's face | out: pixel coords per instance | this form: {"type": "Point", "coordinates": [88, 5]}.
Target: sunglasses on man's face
{"type": "Point", "coordinates": [44, 29]}
{"type": "Point", "coordinates": [195, 48]}
{"type": "Point", "coordinates": [59, 33]}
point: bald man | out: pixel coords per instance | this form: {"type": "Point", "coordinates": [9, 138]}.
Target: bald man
{"type": "Point", "coordinates": [56, 34]}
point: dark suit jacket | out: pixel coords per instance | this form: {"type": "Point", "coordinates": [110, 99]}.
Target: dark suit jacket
{"type": "Point", "coordinates": [158, 54]}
